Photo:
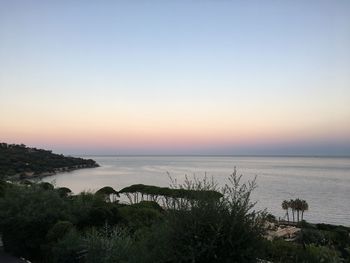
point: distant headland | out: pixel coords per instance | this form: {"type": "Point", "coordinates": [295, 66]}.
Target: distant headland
{"type": "Point", "coordinates": [17, 161]}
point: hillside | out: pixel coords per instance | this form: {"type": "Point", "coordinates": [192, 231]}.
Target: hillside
{"type": "Point", "coordinates": [18, 161]}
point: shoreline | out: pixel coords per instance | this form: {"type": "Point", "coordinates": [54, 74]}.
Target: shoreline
{"type": "Point", "coordinates": [33, 176]}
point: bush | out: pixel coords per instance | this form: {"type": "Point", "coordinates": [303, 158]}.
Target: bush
{"type": "Point", "coordinates": [64, 191]}
{"type": "Point", "coordinates": [91, 210]}
{"type": "Point", "coordinates": [3, 186]}
{"type": "Point", "coordinates": [46, 186]}
{"type": "Point", "coordinates": [282, 251]}
{"type": "Point", "coordinates": [108, 246]}
{"type": "Point", "coordinates": [26, 215]}
{"type": "Point", "coordinates": [211, 230]}
{"type": "Point", "coordinates": [137, 218]}
{"type": "Point", "coordinates": [59, 230]}
{"type": "Point", "coordinates": [316, 237]}
{"type": "Point", "coordinates": [317, 254]}
{"type": "Point", "coordinates": [69, 249]}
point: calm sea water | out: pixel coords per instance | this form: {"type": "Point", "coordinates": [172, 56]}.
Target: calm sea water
{"type": "Point", "coordinates": [323, 182]}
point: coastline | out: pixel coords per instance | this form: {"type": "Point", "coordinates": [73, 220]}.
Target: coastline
{"type": "Point", "coordinates": [32, 175]}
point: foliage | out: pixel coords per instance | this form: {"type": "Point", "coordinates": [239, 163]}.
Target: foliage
{"type": "Point", "coordinates": [139, 217]}
{"type": "Point", "coordinates": [26, 215]}
{"type": "Point", "coordinates": [45, 224]}
{"type": "Point", "coordinates": [316, 254]}
{"type": "Point", "coordinates": [141, 192]}
{"type": "Point", "coordinates": [107, 192]}
{"type": "Point", "coordinates": [108, 246]}
{"type": "Point", "coordinates": [3, 186]}
{"type": "Point", "coordinates": [59, 230]}
{"type": "Point", "coordinates": [211, 230]}
{"type": "Point", "coordinates": [20, 160]}
{"type": "Point", "coordinates": [69, 249]}
{"type": "Point", "coordinates": [148, 204]}
{"type": "Point", "coordinates": [46, 186]}
{"type": "Point", "coordinates": [91, 210]}
{"type": "Point", "coordinates": [337, 237]}
{"type": "Point", "coordinates": [64, 191]}
{"type": "Point", "coordinates": [31, 217]}
{"type": "Point", "coordinates": [297, 206]}
{"type": "Point", "coordinates": [280, 251]}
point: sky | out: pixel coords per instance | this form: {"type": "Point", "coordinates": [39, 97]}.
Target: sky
{"type": "Point", "coordinates": [176, 77]}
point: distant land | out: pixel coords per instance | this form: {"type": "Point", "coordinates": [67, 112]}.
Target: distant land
{"type": "Point", "coordinates": [17, 161]}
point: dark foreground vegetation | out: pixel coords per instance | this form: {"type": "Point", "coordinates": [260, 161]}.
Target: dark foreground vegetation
{"type": "Point", "coordinates": [17, 160]}
{"type": "Point", "coordinates": [47, 224]}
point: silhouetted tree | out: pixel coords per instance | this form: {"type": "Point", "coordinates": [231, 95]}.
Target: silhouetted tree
{"type": "Point", "coordinates": [285, 206]}
{"type": "Point", "coordinates": [304, 207]}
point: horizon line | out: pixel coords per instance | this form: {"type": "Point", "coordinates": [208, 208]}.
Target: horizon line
{"type": "Point", "coordinates": [212, 155]}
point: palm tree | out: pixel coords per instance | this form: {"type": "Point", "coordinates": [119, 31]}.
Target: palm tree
{"type": "Point", "coordinates": [292, 206]}
{"type": "Point", "coordinates": [304, 207]}
{"type": "Point", "coordinates": [298, 207]}
{"type": "Point", "coordinates": [285, 206]}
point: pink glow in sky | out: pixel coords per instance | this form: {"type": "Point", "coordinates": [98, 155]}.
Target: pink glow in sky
{"type": "Point", "coordinates": [222, 77]}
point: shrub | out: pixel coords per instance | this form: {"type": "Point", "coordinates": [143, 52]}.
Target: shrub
{"type": "Point", "coordinates": [137, 218]}
{"type": "Point", "coordinates": [46, 186]}
{"type": "Point", "coordinates": [59, 230]}
{"type": "Point", "coordinates": [108, 246]}
{"type": "Point", "coordinates": [26, 215]}
{"type": "Point", "coordinates": [281, 251]}
{"type": "Point", "coordinates": [64, 191]}
{"type": "Point", "coordinates": [316, 237]}
{"type": "Point", "coordinates": [3, 186]}
{"type": "Point", "coordinates": [69, 249]}
{"type": "Point", "coordinates": [210, 230]}
{"type": "Point", "coordinates": [317, 254]}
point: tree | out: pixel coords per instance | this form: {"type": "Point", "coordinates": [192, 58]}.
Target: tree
{"type": "Point", "coordinates": [292, 207]}
{"type": "Point", "coordinates": [170, 197]}
{"type": "Point", "coordinates": [106, 192]}
{"type": "Point", "coordinates": [64, 191]}
{"type": "Point", "coordinates": [285, 206]}
{"type": "Point", "coordinates": [304, 207]}
{"type": "Point", "coordinates": [46, 186]}
{"type": "Point", "coordinates": [297, 207]}
{"type": "Point", "coordinates": [26, 215]}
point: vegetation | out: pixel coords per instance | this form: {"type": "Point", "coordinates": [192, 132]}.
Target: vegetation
{"type": "Point", "coordinates": [21, 161]}
{"type": "Point", "coordinates": [108, 193]}
{"type": "Point", "coordinates": [47, 224]}
{"type": "Point", "coordinates": [169, 197]}
{"type": "Point", "coordinates": [296, 206]}
{"type": "Point", "coordinates": [280, 251]}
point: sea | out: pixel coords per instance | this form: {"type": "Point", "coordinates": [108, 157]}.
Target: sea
{"type": "Point", "coordinates": [324, 182]}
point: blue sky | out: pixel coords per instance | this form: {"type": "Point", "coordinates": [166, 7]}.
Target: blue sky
{"type": "Point", "coordinates": [176, 76]}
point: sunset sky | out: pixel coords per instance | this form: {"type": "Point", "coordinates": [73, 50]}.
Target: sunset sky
{"type": "Point", "coordinates": [176, 77]}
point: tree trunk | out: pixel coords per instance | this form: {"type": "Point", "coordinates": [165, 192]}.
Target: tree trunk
{"type": "Point", "coordinates": [129, 197]}
{"type": "Point", "coordinates": [298, 215]}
